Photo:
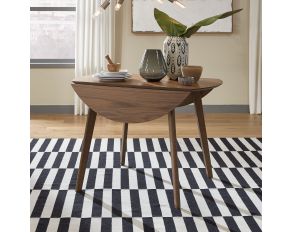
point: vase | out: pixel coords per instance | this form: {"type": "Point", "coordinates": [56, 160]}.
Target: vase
{"type": "Point", "coordinates": [176, 54]}
{"type": "Point", "coordinates": [153, 66]}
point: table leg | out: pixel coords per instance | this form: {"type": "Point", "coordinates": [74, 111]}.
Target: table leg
{"type": "Point", "coordinates": [124, 143]}
{"type": "Point", "coordinates": [203, 135]}
{"type": "Point", "coordinates": [172, 137]}
{"type": "Point", "coordinates": [85, 148]}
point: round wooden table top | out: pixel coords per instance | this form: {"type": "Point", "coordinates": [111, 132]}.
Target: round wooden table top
{"type": "Point", "coordinates": [136, 81]}
{"type": "Point", "coordinates": [136, 100]}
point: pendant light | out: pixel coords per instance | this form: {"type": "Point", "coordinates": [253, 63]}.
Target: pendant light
{"type": "Point", "coordinates": [105, 3]}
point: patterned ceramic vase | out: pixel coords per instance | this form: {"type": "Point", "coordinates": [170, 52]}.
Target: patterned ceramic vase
{"type": "Point", "coordinates": [176, 52]}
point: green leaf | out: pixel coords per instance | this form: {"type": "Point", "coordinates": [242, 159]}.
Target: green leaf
{"type": "Point", "coordinates": [205, 22]}
{"type": "Point", "coordinates": [169, 25]}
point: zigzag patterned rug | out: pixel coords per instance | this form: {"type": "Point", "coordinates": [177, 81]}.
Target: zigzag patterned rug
{"type": "Point", "coordinates": [139, 197]}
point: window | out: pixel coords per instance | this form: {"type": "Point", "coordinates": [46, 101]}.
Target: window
{"type": "Point", "coordinates": [52, 33]}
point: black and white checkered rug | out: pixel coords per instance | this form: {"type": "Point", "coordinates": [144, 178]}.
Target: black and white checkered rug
{"type": "Point", "coordinates": [139, 197]}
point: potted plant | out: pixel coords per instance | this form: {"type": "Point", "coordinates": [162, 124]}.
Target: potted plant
{"type": "Point", "coordinates": [175, 46]}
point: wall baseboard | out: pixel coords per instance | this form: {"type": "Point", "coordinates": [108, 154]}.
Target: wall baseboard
{"type": "Point", "coordinates": [52, 109]}
{"type": "Point", "coordinates": [216, 109]}
{"type": "Point", "coordinates": [69, 109]}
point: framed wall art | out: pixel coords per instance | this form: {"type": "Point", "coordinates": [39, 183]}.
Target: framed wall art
{"type": "Point", "coordinates": [195, 10]}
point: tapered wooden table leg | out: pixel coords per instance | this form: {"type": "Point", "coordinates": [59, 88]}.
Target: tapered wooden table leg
{"type": "Point", "coordinates": [172, 137]}
{"type": "Point", "coordinates": [124, 143]}
{"type": "Point", "coordinates": [85, 148]}
{"type": "Point", "coordinates": [203, 135]}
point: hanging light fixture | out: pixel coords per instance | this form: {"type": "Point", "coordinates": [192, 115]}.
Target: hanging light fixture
{"type": "Point", "coordinates": [105, 4]}
{"type": "Point", "coordinates": [119, 3]}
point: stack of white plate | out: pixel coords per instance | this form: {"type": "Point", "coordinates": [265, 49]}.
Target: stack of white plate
{"type": "Point", "coordinates": [113, 76]}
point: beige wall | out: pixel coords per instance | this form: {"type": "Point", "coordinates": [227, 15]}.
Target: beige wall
{"type": "Point", "coordinates": [51, 87]}
{"type": "Point", "coordinates": [223, 56]}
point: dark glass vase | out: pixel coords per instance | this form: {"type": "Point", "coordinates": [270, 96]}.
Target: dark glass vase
{"type": "Point", "coordinates": [153, 66]}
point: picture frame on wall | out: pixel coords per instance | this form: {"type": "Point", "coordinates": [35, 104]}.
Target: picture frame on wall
{"type": "Point", "coordinates": [143, 20]}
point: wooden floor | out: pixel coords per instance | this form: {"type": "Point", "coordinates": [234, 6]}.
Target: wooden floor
{"type": "Point", "coordinates": [218, 125]}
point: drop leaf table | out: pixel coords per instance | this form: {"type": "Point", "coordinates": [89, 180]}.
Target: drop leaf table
{"type": "Point", "coordinates": [136, 100]}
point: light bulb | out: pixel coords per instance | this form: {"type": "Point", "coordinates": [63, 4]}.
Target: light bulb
{"type": "Point", "coordinates": [160, 1]}
{"type": "Point", "coordinates": [119, 4]}
{"type": "Point", "coordinates": [101, 7]}
{"type": "Point", "coordinates": [97, 12]}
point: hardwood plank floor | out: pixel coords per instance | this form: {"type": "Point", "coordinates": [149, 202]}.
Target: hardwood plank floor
{"type": "Point", "coordinates": [218, 125]}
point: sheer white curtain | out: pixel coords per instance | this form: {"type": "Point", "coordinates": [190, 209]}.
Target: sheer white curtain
{"type": "Point", "coordinates": [94, 39]}
{"type": "Point", "coordinates": [255, 57]}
